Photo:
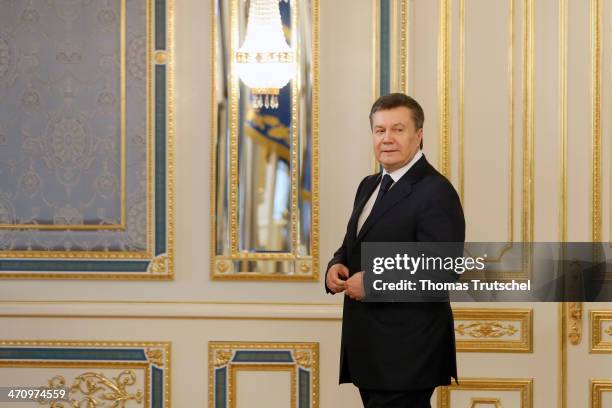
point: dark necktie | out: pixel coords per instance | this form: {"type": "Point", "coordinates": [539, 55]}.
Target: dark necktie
{"type": "Point", "coordinates": [385, 184]}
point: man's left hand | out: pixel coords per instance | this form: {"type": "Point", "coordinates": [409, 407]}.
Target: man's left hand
{"type": "Point", "coordinates": [354, 286]}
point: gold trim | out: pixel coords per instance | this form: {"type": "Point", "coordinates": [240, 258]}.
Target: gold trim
{"type": "Point", "coordinates": [233, 127]}
{"type": "Point", "coordinates": [314, 159]}
{"type": "Point", "coordinates": [170, 141]}
{"type": "Point", "coordinates": [213, 140]}
{"type": "Point", "coordinates": [149, 125]}
{"type": "Point", "coordinates": [461, 109]}
{"type": "Point", "coordinates": [129, 255]}
{"type": "Point", "coordinates": [524, 386]}
{"type": "Point", "coordinates": [491, 327]}
{"type": "Point", "coordinates": [474, 402]}
{"type": "Point", "coordinates": [74, 255]}
{"type": "Point", "coordinates": [295, 42]}
{"type": "Point", "coordinates": [393, 46]}
{"type": "Point", "coordinates": [122, 137]}
{"type": "Point", "coordinates": [562, 373]}
{"type": "Point", "coordinates": [404, 64]}
{"type": "Point", "coordinates": [595, 23]}
{"type": "Point", "coordinates": [596, 319]}
{"type": "Point", "coordinates": [164, 345]}
{"type": "Point", "coordinates": [527, 114]}
{"type": "Point", "coordinates": [161, 57]}
{"type": "Point", "coordinates": [563, 187]}
{"type": "Point", "coordinates": [308, 354]}
{"type": "Point", "coordinates": [574, 322]}
{"type": "Point", "coordinates": [598, 387]}
{"type": "Point", "coordinates": [375, 53]}
{"type": "Point", "coordinates": [444, 89]}
{"type": "Point", "coordinates": [158, 265]}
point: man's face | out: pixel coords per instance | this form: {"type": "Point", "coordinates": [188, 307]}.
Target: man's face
{"type": "Point", "coordinates": [396, 139]}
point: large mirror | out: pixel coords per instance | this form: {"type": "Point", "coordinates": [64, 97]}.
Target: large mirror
{"type": "Point", "coordinates": [264, 209]}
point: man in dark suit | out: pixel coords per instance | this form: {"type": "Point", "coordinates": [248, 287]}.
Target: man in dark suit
{"type": "Point", "coordinates": [396, 353]}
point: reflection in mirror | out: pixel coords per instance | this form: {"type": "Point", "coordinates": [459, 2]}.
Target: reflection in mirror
{"type": "Point", "coordinates": [265, 198]}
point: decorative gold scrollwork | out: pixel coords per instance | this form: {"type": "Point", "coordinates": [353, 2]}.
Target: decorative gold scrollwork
{"type": "Point", "coordinates": [486, 329]}
{"type": "Point", "coordinates": [303, 358]}
{"type": "Point", "coordinates": [92, 390]}
{"type": "Point", "coordinates": [608, 331]}
{"type": "Point", "coordinates": [155, 356]}
{"type": "Point", "coordinates": [222, 357]}
{"type": "Point", "coordinates": [222, 266]}
{"type": "Point", "coordinates": [574, 322]}
{"type": "Point", "coordinates": [159, 265]}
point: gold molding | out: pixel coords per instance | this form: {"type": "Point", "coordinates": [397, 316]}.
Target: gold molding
{"type": "Point", "coordinates": [562, 354]}
{"type": "Point", "coordinates": [595, 25]}
{"type": "Point", "coordinates": [563, 186]}
{"type": "Point", "coordinates": [596, 319]}
{"type": "Point", "coordinates": [170, 139]}
{"type": "Point", "coordinates": [489, 334]}
{"type": "Point", "coordinates": [444, 89]}
{"type": "Point", "coordinates": [598, 387]}
{"type": "Point", "coordinates": [574, 322]}
{"type": "Point", "coordinates": [461, 109]}
{"type": "Point", "coordinates": [528, 125]}
{"type": "Point", "coordinates": [523, 386]}
{"type": "Point", "coordinates": [305, 355]}
{"type": "Point", "coordinates": [235, 254]}
{"type": "Point", "coordinates": [474, 402]}
{"type": "Point", "coordinates": [164, 347]}
{"type": "Point", "coordinates": [404, 64]}
{"type": "Point", "coordinates": [168, 274]}
{"type": "Point", "coordinates": [375, 53]}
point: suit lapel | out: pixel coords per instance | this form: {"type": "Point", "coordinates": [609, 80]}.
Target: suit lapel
{"type": "Point", "coordinates": [397, 192]}
{"type": "Point", "coordinates": [401, 189]}
{"type": "Point", "coordinates": [368, 189]}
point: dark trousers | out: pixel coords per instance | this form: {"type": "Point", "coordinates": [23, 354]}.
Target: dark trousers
{"type": "Point", "coordinates": [396, 399]}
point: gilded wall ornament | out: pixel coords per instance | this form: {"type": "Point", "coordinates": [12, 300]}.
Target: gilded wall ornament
{"type": "Point", "coordinates": [94, 389]}
{"type": "Point", "coordinates": [156, 356]}
{"type": "Point", "coordinates": [486, 329]}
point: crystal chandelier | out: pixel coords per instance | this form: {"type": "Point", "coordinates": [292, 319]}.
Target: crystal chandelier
{"type": "Point", "coordinates": [265, 62]}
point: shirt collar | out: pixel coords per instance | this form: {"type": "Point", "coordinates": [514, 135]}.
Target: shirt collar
{"type": "Point", "coordinates": [398, 173]}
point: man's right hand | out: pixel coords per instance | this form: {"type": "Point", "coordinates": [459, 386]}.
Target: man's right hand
{"type": "Point", "coordinates": [336, 278]}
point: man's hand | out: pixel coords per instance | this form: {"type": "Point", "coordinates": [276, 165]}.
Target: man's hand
{"type": "Point", "coordinates": [336, 278]}
{"type": "Point", "coordinates": [354, 286]}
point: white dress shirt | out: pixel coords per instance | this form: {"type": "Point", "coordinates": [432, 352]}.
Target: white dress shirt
{"type": "Point", "coordinates": [395, 175]}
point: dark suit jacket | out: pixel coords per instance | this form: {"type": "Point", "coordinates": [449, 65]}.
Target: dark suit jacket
{"type": "Point", "coordinates": [400, 346]}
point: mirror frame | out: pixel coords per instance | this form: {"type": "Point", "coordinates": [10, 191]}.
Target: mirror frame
{"type": "Point", "coordinates": [222, 266]}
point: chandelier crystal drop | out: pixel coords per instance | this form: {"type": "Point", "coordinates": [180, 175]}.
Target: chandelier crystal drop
{"type": "Point", "coordinates": [265, 62]}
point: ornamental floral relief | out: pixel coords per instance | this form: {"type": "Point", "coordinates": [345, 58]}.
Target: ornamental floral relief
{"type": "Point", "coordinates": [8, 56]}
